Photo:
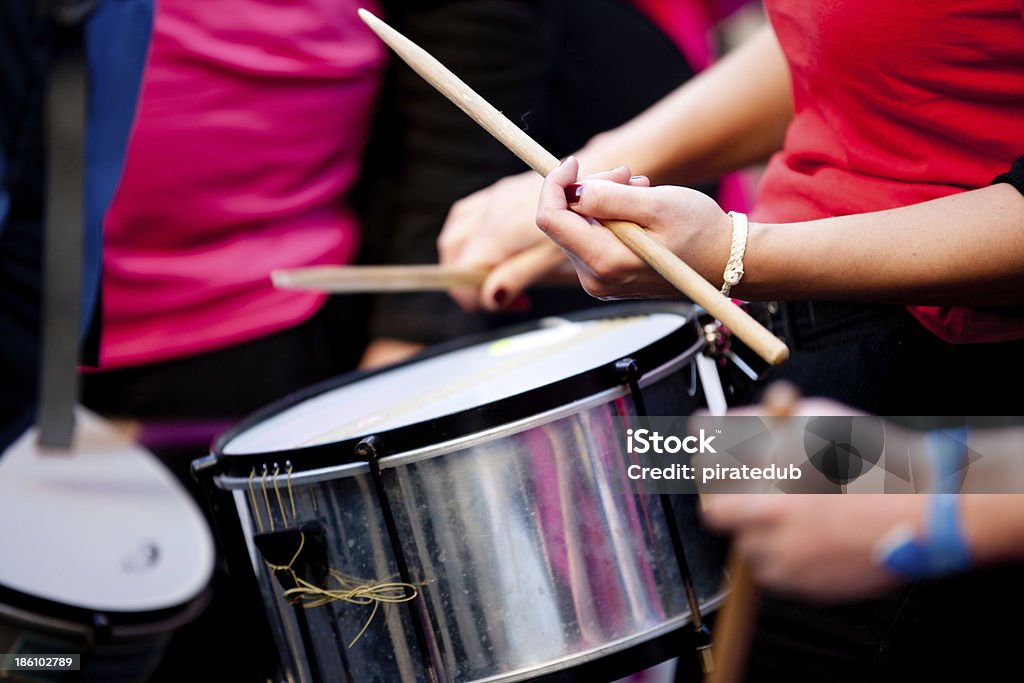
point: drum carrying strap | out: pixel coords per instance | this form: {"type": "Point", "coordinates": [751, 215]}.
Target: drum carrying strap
{"type": "Point", "coordinates": [65, 204]}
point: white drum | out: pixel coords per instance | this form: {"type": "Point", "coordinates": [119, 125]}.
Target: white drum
{"type": "Point", "coordinates": [104, 554]}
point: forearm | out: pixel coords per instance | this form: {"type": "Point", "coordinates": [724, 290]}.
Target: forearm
{"type": "Point", "coordinates": [965, 249]}
{"type": "Point", "coordinates": [730, 116]}
{"type": "Point", "coordinates": [994, 526]}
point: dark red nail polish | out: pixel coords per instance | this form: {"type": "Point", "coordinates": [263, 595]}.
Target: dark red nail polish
{"type": "Point", "coordinates": [573, 193]}
{"type": "Point", "coordinates": [520, 305]}
{"type": "Point", "coordinates": [499, 295]}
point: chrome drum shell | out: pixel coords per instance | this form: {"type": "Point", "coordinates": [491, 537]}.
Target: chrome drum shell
{"type": "Point", "coordinates": [530, 549]}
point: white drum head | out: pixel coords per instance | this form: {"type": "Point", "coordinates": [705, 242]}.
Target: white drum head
{"type": "Point", "coordinates": [104, 528]}
{"type": "Point", "coordinates": [456, 381]}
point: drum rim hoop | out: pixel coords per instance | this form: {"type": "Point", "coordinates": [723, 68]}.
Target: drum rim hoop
{"type": "Point", "coordinates": [436, 450]}
{"type": "Point", "coordinates": [463, 423]}
{"type": "Point", "coordinates": [82, 619]}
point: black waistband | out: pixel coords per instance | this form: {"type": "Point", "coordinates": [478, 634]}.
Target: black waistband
{"type": "Point", "coordinates": [810, 325]}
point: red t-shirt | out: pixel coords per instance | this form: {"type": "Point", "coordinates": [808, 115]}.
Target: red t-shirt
{"type": "Point", "coordinates": [898, 103]}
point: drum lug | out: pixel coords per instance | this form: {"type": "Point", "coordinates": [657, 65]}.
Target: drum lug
{"type": "Point", "coordinates": [720, 344]}
{"type": "Point", "coordinates": [368, 449]}
{"type": "Point", "coordinates": [629, 372]}
{"type": "Point", "coordinates": [717, 338]}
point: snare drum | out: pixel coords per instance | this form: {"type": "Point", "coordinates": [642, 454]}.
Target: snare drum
{"type": "Point", "coordinates": [487, 476]}
{"type": "Point", "coordinates": [105, 555]}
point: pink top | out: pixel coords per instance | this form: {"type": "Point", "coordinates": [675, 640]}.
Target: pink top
{"type": "Point", "coordinates": [252, 122]}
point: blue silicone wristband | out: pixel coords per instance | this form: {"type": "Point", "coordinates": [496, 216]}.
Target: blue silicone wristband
{"type": "Point", "coordinates": [941, 552]}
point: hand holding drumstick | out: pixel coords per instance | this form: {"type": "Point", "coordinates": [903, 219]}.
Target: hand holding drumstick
{"type": "Point", "coordinates": [655, 254]}
{"type": "Point", "coordinates": [806, 546]}
{"type": "Point", "coordinates": [568, 214]}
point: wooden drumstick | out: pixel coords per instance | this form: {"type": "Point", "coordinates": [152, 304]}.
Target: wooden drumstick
{"type": "Point", "coordinates": [735, 625]}
{"type": "Point", "coordinates": [415, 278]}
{"type": "Point", "coordinates": [655, 254]}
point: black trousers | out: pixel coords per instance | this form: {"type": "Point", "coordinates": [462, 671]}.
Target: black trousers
{"type": "Point", "coordinates": [230, 383]}
{"type": "Point", "coordinates": [881, 360]}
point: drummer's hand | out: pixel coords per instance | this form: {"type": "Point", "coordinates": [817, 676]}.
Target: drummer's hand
{"type": "Point", "coordinates": [821, 547]}
{"type": "Point", "coordinates": [489, 227]}
{"type": "Point", "coordinates": [495, 228]}
{"type": "Point", "coordinates": [688, 222]}
{"type": "Point", "coordinates": [383, 351]}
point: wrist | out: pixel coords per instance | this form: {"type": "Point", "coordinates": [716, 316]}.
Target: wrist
{"type": "Point", "coordinates": [936, 549]}
{"type": "Point", "coordinates": [993, 525]}
{"type": "Point", "coordinates": [733, 271]}
{"type": "Point", "coordinates": [752, 283]}
{"type": "Point", "coordinates": [773, 265]}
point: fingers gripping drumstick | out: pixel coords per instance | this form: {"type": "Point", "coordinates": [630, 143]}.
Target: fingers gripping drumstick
{"type": "Point", "coordinates": [655, 254]}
